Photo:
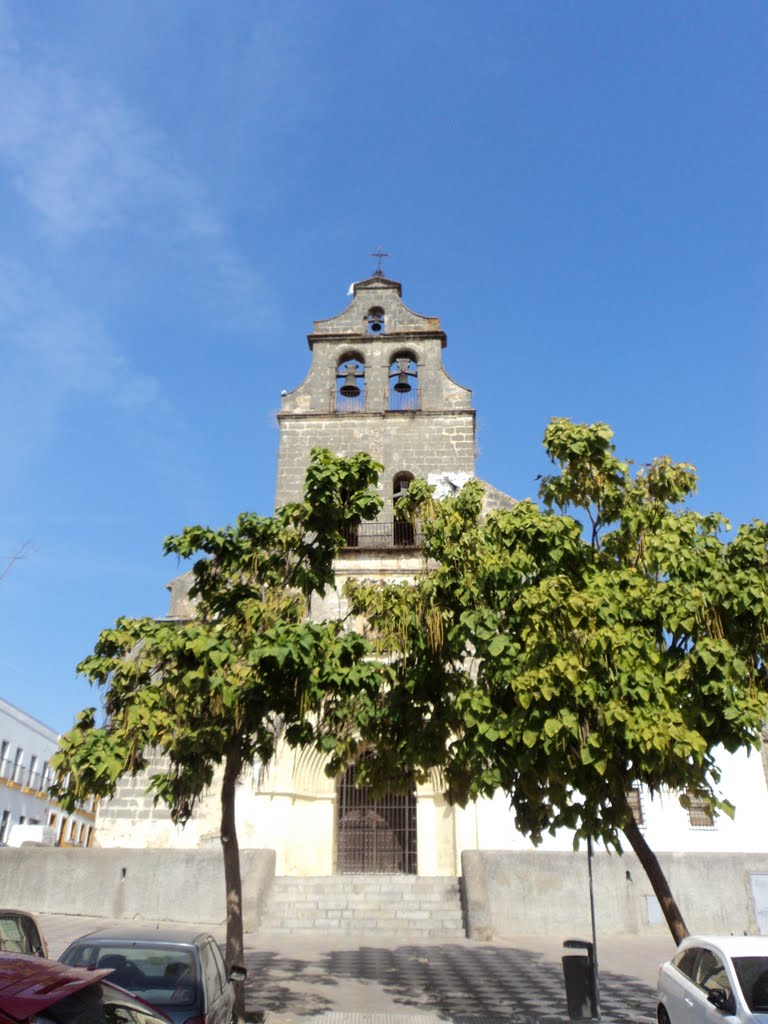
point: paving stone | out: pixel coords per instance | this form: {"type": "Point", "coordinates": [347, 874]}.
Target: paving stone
{"type": "Point", "coordinates": [333, 978]}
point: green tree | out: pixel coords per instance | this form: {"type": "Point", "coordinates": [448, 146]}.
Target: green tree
{"type": "Point", "coordinates": [221, 688]}
{"type": "Point", "coordinates": [566, 653]}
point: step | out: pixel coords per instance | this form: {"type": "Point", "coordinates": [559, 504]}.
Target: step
{"type": "Point", "coordinates": [413, 905]}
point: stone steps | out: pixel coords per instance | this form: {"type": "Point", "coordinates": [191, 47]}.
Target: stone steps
{"type": "Point", "coordinates": [409, 905]}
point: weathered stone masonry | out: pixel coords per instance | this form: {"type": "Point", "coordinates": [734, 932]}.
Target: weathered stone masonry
{"type": "Point", "coordinates": [433, 434]}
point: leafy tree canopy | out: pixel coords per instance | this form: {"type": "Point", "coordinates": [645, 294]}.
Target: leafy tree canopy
{"type": "Point", "coordinates": [248, 667]}
{"type": "Point", "coordinates": [564, 653]}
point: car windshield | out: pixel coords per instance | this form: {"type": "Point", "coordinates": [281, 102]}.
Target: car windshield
{"type": "Point", "coordinates": [100, 1003]}
{"type": "Point", "coordinates": [752, 972]}
{"type": "Point", "coordinates": [163, 975]}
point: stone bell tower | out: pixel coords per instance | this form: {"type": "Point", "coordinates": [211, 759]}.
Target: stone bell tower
{"type": "Point", "coordinates": [377, 384]}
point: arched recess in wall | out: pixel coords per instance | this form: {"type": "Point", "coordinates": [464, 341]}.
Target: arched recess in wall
{"type": "Point", "coordinates": [403, 383]}
{"type": "Point", "coordinates": [374, 835]}
{"type": "Point", "coordinates": [404, 532]}
{"type": "Point", "coordinates": [309, 773]}
{"type": "Point", "coordinates": [375, 321]}
{"type": "Point", "coordinates": [350, 383]}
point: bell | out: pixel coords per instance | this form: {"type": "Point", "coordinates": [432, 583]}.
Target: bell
{"type": "Point", "coordinates": [349, 388]}
{"type": "Point", "coordinates": [403, 385]}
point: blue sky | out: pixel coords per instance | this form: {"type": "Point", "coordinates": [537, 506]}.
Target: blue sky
{"type": "Point", "coordinates": [576, 189]}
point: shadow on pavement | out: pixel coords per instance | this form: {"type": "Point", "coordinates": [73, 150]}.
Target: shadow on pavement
{"type": "Point", "coordinates": [454, 982]}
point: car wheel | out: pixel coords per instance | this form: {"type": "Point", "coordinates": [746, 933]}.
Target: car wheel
{"type": "Point", "coordinates": [663, 1016]}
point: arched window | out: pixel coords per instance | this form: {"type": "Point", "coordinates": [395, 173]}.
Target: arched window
{"type": "Point", "coordinates": [404, 533]}
{"type": "Point", "coordinates": [403, 383]}
{"type": "Point", "coordinates": [375, 320]}
{"type": "Point", "coordinates": [350, 384]}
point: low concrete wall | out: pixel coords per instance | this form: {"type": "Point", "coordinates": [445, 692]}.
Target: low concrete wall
{"type": "Point", "coordinates": [541, 893]}
{"type": "Point", "coordinates": [160, 885]}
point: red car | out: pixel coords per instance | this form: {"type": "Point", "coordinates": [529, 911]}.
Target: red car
{"type": "Point", "coordinates": [34, 990]}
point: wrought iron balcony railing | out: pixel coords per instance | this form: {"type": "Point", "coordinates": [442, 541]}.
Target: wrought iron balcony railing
{"type": "Point", "coordinates": [378, 535]}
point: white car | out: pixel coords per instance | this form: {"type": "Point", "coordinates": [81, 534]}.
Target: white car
{"type": "Point", "coordinates": [714, 979]}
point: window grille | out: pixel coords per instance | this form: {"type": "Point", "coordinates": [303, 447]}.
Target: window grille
{"type": "Point", "coordinates": [699, 812]}
{"type": "Point", "coordinates": [635, 801]}
{"type": "Point", "coordinates": [376, 836]}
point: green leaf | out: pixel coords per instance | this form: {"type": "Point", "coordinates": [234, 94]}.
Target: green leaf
{"type": "Point", "coordinates": [496, 646]}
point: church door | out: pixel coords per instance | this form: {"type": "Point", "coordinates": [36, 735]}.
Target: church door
{"type": "Point", "coordinates": [374, 836]}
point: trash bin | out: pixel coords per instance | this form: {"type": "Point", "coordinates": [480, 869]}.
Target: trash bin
{"type": "Point", "coordinates": [579, 974]}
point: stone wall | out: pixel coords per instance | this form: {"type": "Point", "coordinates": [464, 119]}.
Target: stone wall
{"type": "Point", "coordinates": [506, 894]}
{"type": "Point", "coordinates": [539, 893]}
{"type": "Point", "coordinates": [151, 885]}
{"type": "Point", "coordinates": [417, 443]}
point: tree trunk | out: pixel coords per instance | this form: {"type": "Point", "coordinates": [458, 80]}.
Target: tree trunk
{"type": "Point", "coordinates": [656, 876]}
{"type": "Point", "coordinates": [233, 764]}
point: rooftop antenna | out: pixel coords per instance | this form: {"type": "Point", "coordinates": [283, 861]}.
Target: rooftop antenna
{"type": "Point", "coordinates": [379, 255]}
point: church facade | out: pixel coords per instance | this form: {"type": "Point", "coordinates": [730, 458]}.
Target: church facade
{"type": "Point", "coordinates": [377, 383]}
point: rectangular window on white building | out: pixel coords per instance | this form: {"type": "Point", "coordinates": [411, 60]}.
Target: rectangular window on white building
{"type": "Point", "coordinates": [700, 813]}
{"type": "Point", "coordinates": [635, 801]}
{"type": "Point", "coordinates": [18, 763]}
{"type": "Point", "coordinates": [4, 759]}
{"type": "Point", "coordinates": [6, 820]}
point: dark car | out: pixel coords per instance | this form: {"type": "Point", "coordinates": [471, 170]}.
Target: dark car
{"type": "Point", "coordinates": [181, 971]}
{"type": "Point", "coordinates": [20, 933]}
{"type": "Point", "coordinates": [34, 990]}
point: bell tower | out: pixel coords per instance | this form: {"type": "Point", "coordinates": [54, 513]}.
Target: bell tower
{"type": "Point", "coordinates": [377, 384]}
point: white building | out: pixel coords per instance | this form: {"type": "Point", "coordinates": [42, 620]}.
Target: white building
{"type": "Point", "coordinates": [26, 749]}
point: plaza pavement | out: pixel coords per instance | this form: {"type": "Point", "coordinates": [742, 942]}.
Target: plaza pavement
{"type": "Point", "coordinates": [375, 979]}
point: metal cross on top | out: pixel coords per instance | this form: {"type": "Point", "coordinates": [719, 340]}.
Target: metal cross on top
{"type": "Point", "coordinates": [379, 255]}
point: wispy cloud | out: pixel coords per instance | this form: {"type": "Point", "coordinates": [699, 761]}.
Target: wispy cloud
{"type": "Point", "coordinates": [85, 161]}
{"type": "Point", "coordinates": [54, 353]}
{"type": "Point", "coordinates": [84, 170]}
{"type": "Point", "coordinates": [80, 156]}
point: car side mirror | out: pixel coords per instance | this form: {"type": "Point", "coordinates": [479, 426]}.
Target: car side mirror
{"type": "Point", "coordinates": [718, 998]}
{"type": "Point", "coordinates": [237, 973]}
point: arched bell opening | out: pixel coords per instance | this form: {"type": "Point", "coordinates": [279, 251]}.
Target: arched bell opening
{"type": "Point", "coordinates": [350, 384]}
{"type": "Point", "coordinates": [404, 532]}
{"type": "Point", "coordinates": [375, 321]}
{"type": "Point", "coordinates": [374, 835]}
{"type": "Point", "coordinates": [403, 383]}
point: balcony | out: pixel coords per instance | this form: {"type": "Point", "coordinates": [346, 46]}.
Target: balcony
{"type": "Point", "coordinates": [383, 535]}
